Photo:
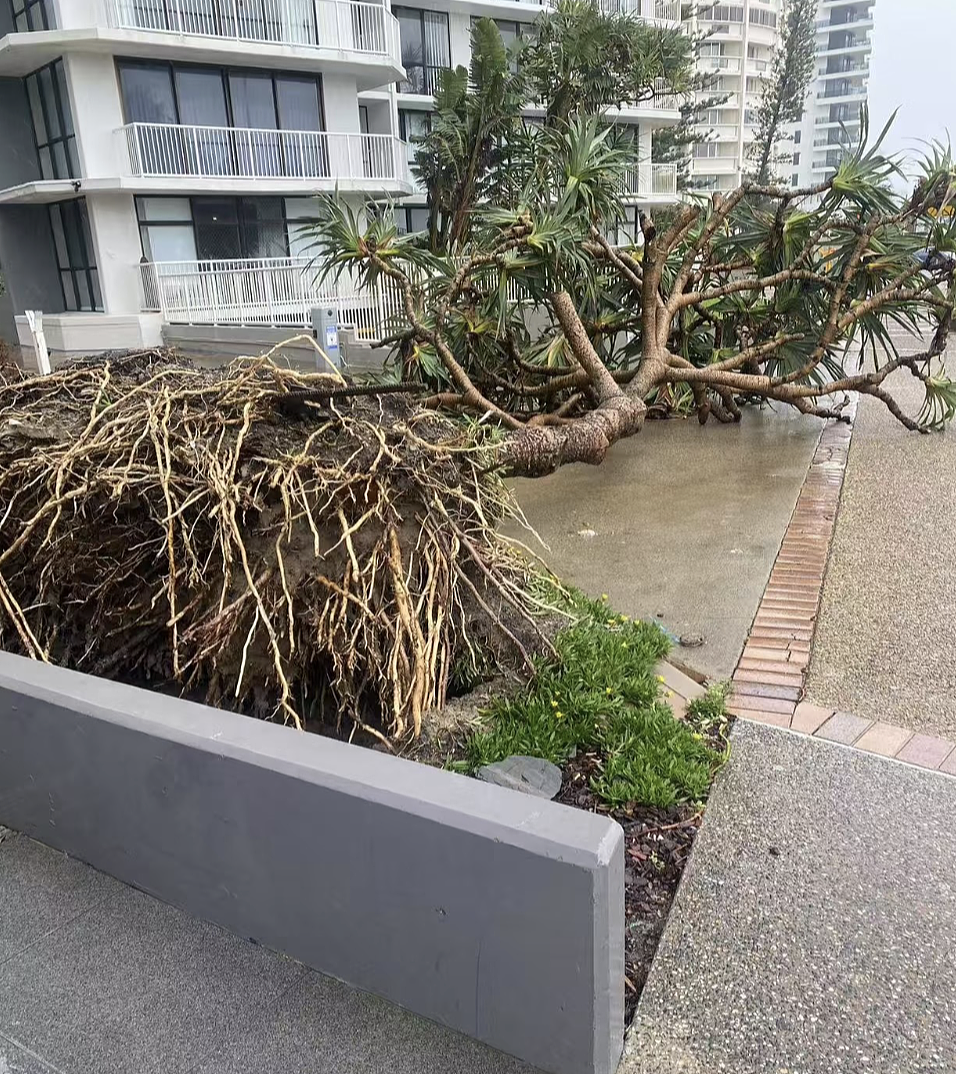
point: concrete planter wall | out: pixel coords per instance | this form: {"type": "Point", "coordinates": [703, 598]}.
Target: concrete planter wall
{"type": "Point", "coordinates": [487, 910]}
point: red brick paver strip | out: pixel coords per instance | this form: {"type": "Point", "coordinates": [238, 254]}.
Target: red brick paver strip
{"type": "Point", "coordinates": [771, 675]}
{"type": "Point", "coordinates": [884, 739]}
{"type": "Point", "coordinates": [809, 718]}
{"type": "Point", "coordinates": [927, 751]}
{"type": "Point", "coordinates": [844, 727]}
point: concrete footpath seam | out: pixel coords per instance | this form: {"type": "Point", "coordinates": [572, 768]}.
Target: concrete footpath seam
{"type": "Point", "coordinates": [770, 679]}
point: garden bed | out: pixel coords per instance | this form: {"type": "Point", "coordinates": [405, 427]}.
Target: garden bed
{"type": "Point", "coordinates": [602, 714]}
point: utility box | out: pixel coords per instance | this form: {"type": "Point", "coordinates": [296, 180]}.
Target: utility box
{"type": "Point", "coordinates": [325, 330]}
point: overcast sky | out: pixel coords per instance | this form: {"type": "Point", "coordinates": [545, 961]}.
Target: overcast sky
{"type": "Point", "coordinates": [913, 67]}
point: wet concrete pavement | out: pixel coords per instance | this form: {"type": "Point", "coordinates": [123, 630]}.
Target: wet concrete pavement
{"type": "Point", "coordinates": [886, 634]}
{"type": "Point", "coordinates": [681, 523]}
{"type": "Point", "coordinates": [814, 926]}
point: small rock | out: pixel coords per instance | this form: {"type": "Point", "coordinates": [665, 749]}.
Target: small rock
{"type": "Point", "coordinates": [587, 533]}
{"type": "Point", "coordinates": [692, 641]}
{"type": "Point", "coordinates": [532, 775]}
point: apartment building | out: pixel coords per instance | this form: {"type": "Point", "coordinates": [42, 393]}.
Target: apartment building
{"type": "Point", "coordinates": [736, 53]}
{"type": "Point", "coordinates": [161, 155]}
{"type": "Point", "coordinates": [831, 119]}
{"type": "Point", "coordinates": [436, 38]}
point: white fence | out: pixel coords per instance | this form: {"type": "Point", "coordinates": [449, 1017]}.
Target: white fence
{"type": "Point", "coordinates": [646, 180]}
{"type": "Point", "coordinates": [328, 24]}
{"type": "Point", "coordinates": [278, 292]}
{"type": "Point", "coordinates": [166, 150]}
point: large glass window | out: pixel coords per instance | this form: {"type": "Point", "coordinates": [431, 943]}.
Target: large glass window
{"type": "Point", "coordinates": [426, 47]}
{"type": "Point", "coordinates": [413, 124]}
{"type": "Point", "coordinates": [224, 228]}
{"type": "Point", "coordinates": [31, 15]}
{"type": "Point", "coordinates": [511, 32]}
{"type": "Point", "coordinates": [74, 255]}
{"type": "Point", "coordinates": [52, 122]}
{"type": "Point", "coordinates": [223, 101]}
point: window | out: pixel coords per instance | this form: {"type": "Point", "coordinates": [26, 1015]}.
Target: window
{"type": "Point", "coordinates": [711, 48]}
{"type": "Point", "coordinates": [723, 13]}
{"type": "Point", "coordinates": [31, 15]}
{"type": "Point", "coordinates": [413, 124]}
{"type": "Point", "coordinates": [426, 47]}
{"type": "Point", "coordinates": [511, 32]}
{"type": "Point", "coordinates": [220, 97]}
{"type": "Point", "coordinates": [224, 228]}
{"type": "Point", "coordinates": [760, 17]}
{"type": "Point", "coordinates": [73, 242]}
{"type": "Point", "coordinates": [797, 136]}
{"type": "Point", "coordinates": [410, 219]}
{"type": "Point", "coordinates": [705, 149]}
{"type": "Point", "coordinates": [221, 100]}
{"type": "Point", "coordinates": [166, 229]}
{"type": "Point", "coordinates": [794, 179]}
{"type": "Point", "coordinates": [796, 158]}
{"type": "Point", "coordinates": [52, 122]}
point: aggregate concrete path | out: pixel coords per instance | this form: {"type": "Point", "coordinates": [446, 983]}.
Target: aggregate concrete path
{"type": "Point", "coordinates": [686, 522]}
{"type": "Point", "coordinates": [886, 633]}
{"type": "Point", "coordinates": [814, 929]}
{"type": "Point", "coordinates": [96, 978]}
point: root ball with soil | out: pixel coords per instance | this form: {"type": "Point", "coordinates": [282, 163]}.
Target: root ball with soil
{"type": "Point", "coordinates": [263, 539]}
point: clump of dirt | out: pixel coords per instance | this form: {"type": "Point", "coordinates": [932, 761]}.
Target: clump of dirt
{"type": "Point", "coordinates": [281, 543]}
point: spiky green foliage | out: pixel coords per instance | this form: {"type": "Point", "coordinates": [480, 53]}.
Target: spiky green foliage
{"type": "Point", "coordinates": [767, 293]}
{"type": "Point", "coordinates": [785, 91]}
{"type": "Point", "coordinates": [582, 61]}
{"type": "Point", "coordinates": [476, 115]}
{"type": "Point", "coordinates": [603, 694]}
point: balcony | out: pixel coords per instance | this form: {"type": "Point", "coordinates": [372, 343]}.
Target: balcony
{"type": "Point", "coordinates": [650, 182]}
{"type": "Point", "coordinates": [330, 26]}
{"type": "Point", "coordinates": [363, 162]}
{"type": "Point", "coordinates": [727, 64]}
{"type": "Point", "coordinates": [832, 91]}
{"type": "Point", "coordinates": [275, 292]}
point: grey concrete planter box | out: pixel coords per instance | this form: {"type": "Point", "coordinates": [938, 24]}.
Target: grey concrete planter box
{"type": "Point", "coordinates": [489, 911]}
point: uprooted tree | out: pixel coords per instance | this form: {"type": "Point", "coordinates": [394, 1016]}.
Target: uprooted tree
{"type": "Point", "coordinates": [560, 340]}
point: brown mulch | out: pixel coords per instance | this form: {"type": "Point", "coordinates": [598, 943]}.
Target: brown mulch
{"type": "Point", "coordinates": [657, 844]}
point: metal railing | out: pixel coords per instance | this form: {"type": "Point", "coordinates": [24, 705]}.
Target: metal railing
{"type": "Point", "coordinates": [167, 150]}
{"type": "Point", "coordinates": [720, 63]}
{"type": "Point", "coordinates": [646, 180]}
{"type": "Point", "coordinates": [279, 292]}
{"type": "Point", "coordinates": [841, 91]}
{"type": "Point", "coordinates": [327, 24]}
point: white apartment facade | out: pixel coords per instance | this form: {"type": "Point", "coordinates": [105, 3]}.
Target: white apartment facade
{"type": "Point", "coordinates": [737, 51]}
{"type": "Point", "coordinates": [831, 118]}
{"type": "Point", "coordinates": [161, 155]}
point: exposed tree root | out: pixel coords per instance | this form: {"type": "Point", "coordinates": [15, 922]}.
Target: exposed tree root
{"type": "Point", "coordinates": [337, 557]}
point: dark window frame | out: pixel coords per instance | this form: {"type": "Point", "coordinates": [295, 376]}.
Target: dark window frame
{"type": "Point", "coordinates": [25, 17]}
{"type": "Point", "coordinates": [86, 267]}
{"type": "Point", "coordinates": [429, 70]}
{"type": "Point", "coordinates": [224, 72]}
{"type": "Point", "coordinates": [237, 199]}
{"type": "Point", "coordinates": [64, 120]}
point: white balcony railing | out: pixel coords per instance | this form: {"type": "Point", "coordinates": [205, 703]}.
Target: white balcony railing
{"type": "Point", "coordinates": [279, 292]}
{"type": "Point", "coordinates": [165, 150]}
{"type": "Point", "coordinates": [650, 180]}
{"type": "Point", "coordinates": [324, 24]}
{"type": "Point", "coordinates": [728, 64]}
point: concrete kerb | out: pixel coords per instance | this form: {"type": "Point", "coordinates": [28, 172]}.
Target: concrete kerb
{"type": "Point", "coordinates": [489, 911]}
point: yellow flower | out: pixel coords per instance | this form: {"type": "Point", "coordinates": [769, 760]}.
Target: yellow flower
{"type": "Point", "coordinates": [604, 596]}
{"type": "Point", "coordinates": [660, 678]}
{"type": "Point", "coordinates": [559, 714]}
{"type": "Point", "coordinates": [554, 703]}
{"type": "Point", "coordinates": [608, 691]}
{"type": "Point", "coordinates": [668, 693]}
